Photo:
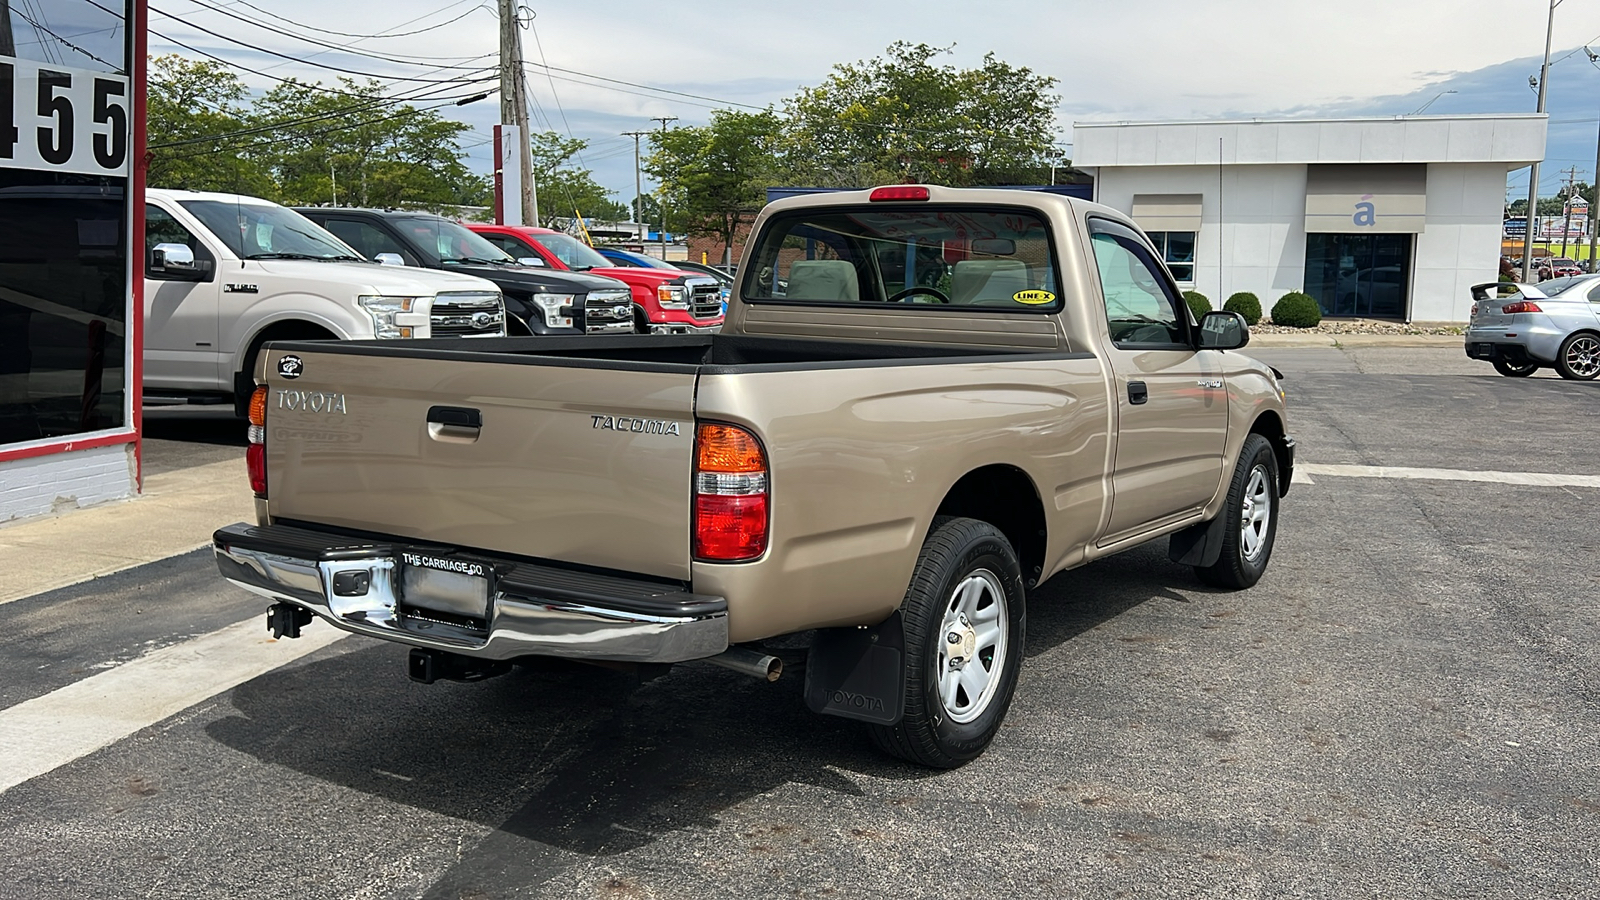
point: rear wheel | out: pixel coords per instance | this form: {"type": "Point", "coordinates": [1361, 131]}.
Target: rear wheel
{"type": "Point", "coordinates": [963, 617]}
{"type": "Point", "coordinates": [1515, 370]}
{"type": "Point", "coordinates": [1251, 517]}
{"type": "Point", "coordinates": [1579, 357]}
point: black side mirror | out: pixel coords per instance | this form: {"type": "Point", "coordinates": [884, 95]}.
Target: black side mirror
{"type": "Point", "coordinates": [1223, 330]}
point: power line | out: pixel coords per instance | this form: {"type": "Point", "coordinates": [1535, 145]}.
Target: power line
{"type": "Point", "coordinates": [549, 68]}
{"type": "Point", "coordinates": [294, 59]}
{"type": "Point", "coordinates": [368, 37]}
{"type": "Point", "coordinates": [397, 59]}
{"type": "Point", "coordinates": [40, 27]}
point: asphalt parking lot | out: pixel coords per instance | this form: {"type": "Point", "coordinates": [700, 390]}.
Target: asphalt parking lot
{"type": "Point", "coordinates": [1405, 706]}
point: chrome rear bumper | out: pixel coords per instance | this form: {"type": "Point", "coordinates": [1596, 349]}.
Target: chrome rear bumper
{"type": "Point", "coordinates": [528, 610]}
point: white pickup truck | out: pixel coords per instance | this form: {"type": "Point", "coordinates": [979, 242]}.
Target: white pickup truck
{"type": "Point", "coordinates": [224, 274]}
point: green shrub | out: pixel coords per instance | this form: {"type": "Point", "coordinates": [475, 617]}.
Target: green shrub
{"type": "Point", "coordinates": [1199, 304]}
{"type": "Point", "coordinates": [1245, 304]}
{"type": "Point", "coordinates": [1296, 310]}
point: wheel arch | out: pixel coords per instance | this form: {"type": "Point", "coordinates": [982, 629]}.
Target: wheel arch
{"type": "Point", "coordinates": [1005, 497]}
{"type": "Point", "coordinates": [1270, 426]}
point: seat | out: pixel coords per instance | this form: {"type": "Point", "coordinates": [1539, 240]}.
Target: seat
{"type": "Point", "coordinates": [823, 279]}
{"type": "Point", "coordinates": [987, 282]}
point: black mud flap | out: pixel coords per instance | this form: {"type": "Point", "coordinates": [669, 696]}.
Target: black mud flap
{"type": "Point", "coordinates": [858, 673]}
{"type": "Point", "coordinates": [1198, 545]}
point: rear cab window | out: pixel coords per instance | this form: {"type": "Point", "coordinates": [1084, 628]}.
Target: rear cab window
{"type": "Point", "coordinates": [922, 259]}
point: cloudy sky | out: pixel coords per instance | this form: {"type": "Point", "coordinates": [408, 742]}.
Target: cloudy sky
{"type": "Point", "coordinates": [1129, 60]}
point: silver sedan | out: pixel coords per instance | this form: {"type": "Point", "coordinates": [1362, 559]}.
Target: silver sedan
{"type": "Point", "coordinates": [1522, 328]}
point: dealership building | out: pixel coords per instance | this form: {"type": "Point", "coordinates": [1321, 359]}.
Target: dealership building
{"type": "Point", "coordinates": [1384, 218]}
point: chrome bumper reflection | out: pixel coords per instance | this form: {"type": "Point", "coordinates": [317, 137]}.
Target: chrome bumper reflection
{"type": "Point", "coordinates": [672, 328]}
{"type": "Point", "coordinates": [517, 625]}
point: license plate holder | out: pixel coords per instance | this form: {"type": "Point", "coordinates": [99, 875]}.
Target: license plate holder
{"type": "Point", "coordinates": [446, 584]}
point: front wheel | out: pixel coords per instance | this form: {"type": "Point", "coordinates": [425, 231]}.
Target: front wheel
{"type": "Point", "coordinates": [1250, 516]}
{"type": "Point", "coordinates": [963, 617]}
{"type": "Point", "coordinates": [1515, 370]}
{"type": "Point", "coordinates": [1579, 357]}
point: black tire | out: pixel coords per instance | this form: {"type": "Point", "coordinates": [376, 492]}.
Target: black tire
{"type": "Point", "coordinates": [956, 551]}
{"type": "Point", "coordinates": [1579, 357]}
{"type": "Point", "coordinates": [1515, 370]}
{"type": "Point", "coordinates": [1240, 565]}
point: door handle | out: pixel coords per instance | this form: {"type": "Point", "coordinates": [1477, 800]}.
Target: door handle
{"type": "Point", "coordinates": [454, 424]}
{"type": "Point", "coordinates": [1137, 392]}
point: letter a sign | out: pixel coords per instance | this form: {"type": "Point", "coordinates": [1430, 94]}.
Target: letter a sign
{"type": "Point", "coordinates": [1366, 214]}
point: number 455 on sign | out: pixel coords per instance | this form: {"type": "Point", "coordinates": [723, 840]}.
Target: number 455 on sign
{"type": "Point", "coordinates": [57, 119]}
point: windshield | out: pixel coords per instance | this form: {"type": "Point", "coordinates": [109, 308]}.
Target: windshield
{"type": "Point", "coordinates": [452, 242]}
{"type": "Point", "coordinates": [1001, 259]}
{"type": "Point", "coordinates": [573, 253]}
{"type": "Point", "coordinates": [260, 231]}
{"type": "Point", "coordinates": [1554, 286]}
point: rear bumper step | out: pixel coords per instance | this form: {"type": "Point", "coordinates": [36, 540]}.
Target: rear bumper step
{"type": "Point", "coordinates": [470, 604]}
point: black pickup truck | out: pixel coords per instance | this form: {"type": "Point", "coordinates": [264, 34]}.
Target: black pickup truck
{"type": "Point", "coordinates": [538, 301]}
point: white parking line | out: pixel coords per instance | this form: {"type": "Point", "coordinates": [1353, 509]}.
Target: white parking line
{"type": "Point", "coordinates": [45, 733]}
{"type": "Point", "coordinates": [1532, 478]}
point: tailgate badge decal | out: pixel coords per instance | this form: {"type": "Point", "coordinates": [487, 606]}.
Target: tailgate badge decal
{"type": "Point", "coordinates": [290, 366]}
{"type": "Point", "coordinates": [311, 401]}
{"type": "Point", "coordinates": [637, 426]}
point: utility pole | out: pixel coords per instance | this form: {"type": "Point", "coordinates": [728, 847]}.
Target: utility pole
{"type": "Point", "coordinates": [1594, 210]}
{"type": "Point", "coordinates": [8, 44]}
{"type": "Point", "coordinates": [1572, 178]}
{"type": "Point", "coordinates": [1533, 172]}
{"type": "Point", "coordinates": [514, 106]}
{"type": "Point", "coordinates": [638, 176]}
{"type": "Point", "coordinates": [664, 120]}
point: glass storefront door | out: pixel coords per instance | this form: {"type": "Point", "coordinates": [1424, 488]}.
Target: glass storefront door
{"type": "Point", "coordinates": [1366, 275]}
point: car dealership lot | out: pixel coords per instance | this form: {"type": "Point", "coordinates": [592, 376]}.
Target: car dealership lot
{"type": "Point", "coordinates": [1405, 706]}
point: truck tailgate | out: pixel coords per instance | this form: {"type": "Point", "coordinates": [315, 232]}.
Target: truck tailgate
{"type": "Point", "coordinates": [587, 464]}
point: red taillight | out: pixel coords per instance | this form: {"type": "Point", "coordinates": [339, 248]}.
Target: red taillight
{"type": "Point", "coordinates": [730, 503]}
{"type": "Point", "coordinates": [899, 192]}
{"type": "Point", "coordinates": [255, 456]}
{"type": "Point", "coordinates": [1521, 306]}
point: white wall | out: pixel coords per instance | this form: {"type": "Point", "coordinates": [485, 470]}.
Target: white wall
{"type": "Point", "coordinates": [1461, 246]}
{"type": "Point", "coordinates": [61, 481]}
{"type": "Point", "coordinates": [1263, 240]}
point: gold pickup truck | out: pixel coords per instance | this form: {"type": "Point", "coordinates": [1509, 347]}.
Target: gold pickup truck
{"type": "Point", "coordinates": [924, 403]}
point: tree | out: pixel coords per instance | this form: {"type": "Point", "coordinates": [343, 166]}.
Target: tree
{"type": "Point", "coordinates": [359, 148]}
{"type": "Point", "coordinates": [714, 177]}
{"type": "Point", "coordinates": [192, 104]}
{"type": "Point", "coordinates": [567, 192]}
{"type": "Point", "coordinates": [901, 118]}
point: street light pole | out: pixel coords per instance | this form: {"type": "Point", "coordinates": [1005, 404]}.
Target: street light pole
{"type": "Point", "coordinates": [1533, 171]}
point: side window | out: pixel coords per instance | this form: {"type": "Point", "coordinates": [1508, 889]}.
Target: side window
{"type": "Point", "coordinates": [1594, 294]}
{"type": "Point", "coordinates": [509, 244]}
{"type": "Point", "coordinates": [367, 239]}
{"type": "Point", "coordinates": [1140, 307]}
{"type": "Point", "coordinates": [161, 228]}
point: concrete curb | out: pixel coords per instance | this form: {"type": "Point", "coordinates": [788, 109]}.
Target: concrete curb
{"type": "Point", "coordinates": [177, 513]}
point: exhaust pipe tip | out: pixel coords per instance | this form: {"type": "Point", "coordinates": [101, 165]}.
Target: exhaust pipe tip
{"type": "Point", "coordinates": [749, 662]}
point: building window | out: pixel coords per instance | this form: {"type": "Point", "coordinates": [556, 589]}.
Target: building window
{"type": "Point", "coordinates": [63, 304]}
{"type": "Point", "coordinates": [1176, 249]}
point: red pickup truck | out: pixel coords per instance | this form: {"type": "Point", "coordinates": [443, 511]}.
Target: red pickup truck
{"type": "Point", "coordinates": [665, 301]}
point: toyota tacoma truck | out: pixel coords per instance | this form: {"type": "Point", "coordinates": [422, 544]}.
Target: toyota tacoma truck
{"type": "Point", "coordinates": [225, 273]}
{"type": "Point", "coordinates": [925, 402]}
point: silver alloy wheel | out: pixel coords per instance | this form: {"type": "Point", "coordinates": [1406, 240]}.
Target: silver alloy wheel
{"type": "Point", "coordinates": [1255, 514]}
{"type": "Point", "coordinates": [972, 646]}
{"type": "Point", "coordinates": [1583, 356]}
